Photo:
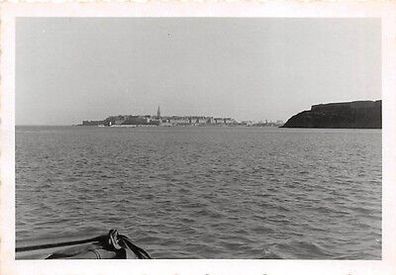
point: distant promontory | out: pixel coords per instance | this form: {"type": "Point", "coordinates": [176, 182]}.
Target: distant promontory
{"type": "Point", "coordinates": [356, 114]}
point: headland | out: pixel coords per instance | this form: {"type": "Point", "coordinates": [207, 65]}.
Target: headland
{"type": "Point", "coordinates": [355, 114]}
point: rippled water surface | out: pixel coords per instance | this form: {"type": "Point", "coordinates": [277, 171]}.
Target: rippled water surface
{"type": "Point", "coordinates": [205, 192]}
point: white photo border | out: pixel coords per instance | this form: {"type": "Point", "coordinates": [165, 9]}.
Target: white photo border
{"type": "Point", "coordinates": [282, 9]}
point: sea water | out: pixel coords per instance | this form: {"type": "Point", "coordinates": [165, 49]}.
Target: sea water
{"type": "Point", "coordinates": [201, 192]}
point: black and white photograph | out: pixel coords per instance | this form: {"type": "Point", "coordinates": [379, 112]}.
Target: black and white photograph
{"type": "Point", "coordinates": [229, 137]}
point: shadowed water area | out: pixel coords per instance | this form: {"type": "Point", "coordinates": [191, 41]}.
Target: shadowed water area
{"type": "Point", "coordinates": [205, 192]}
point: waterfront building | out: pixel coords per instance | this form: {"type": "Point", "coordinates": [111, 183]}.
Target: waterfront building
{"type": "Point", "coordinates": [156, 120]}
{"type": "Point", "coordinates": [228, 120]}
{"type": "Point", "coordinates": [178, 120]}
{"type": "Point", "coordinates": [197, 120]}
{"type": "Point", "coordinates": [219, 120]}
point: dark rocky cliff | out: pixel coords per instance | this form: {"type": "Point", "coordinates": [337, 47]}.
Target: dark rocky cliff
{"type": "Point", "coordinates": [356, 114]}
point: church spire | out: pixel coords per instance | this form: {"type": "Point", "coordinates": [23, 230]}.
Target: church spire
{"type": "Point", "coordinates": [158, 112]}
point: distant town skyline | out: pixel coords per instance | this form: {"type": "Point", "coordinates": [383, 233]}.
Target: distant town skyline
{"type": "Point", "coordinates": [159, 114]}
{"type": "Point", "coordinates": [74, 69]}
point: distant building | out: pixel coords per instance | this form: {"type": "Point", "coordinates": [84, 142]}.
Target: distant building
{"type": "Point", "coordinates": [158, 112]}
{"type": "Point", "coordinates": [229, 121]}
{"type": "Point", "coordinates": [247, 123]}
{"type": "Point", "coordinates": [198, 120]}
{"type": "Point", "coordinates": [178, 120]}
{"type": "Point", "coordinates": [218, 120]}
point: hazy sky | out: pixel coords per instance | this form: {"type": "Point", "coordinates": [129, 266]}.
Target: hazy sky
{"type": "Point", "coordinates": [74, 69]}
